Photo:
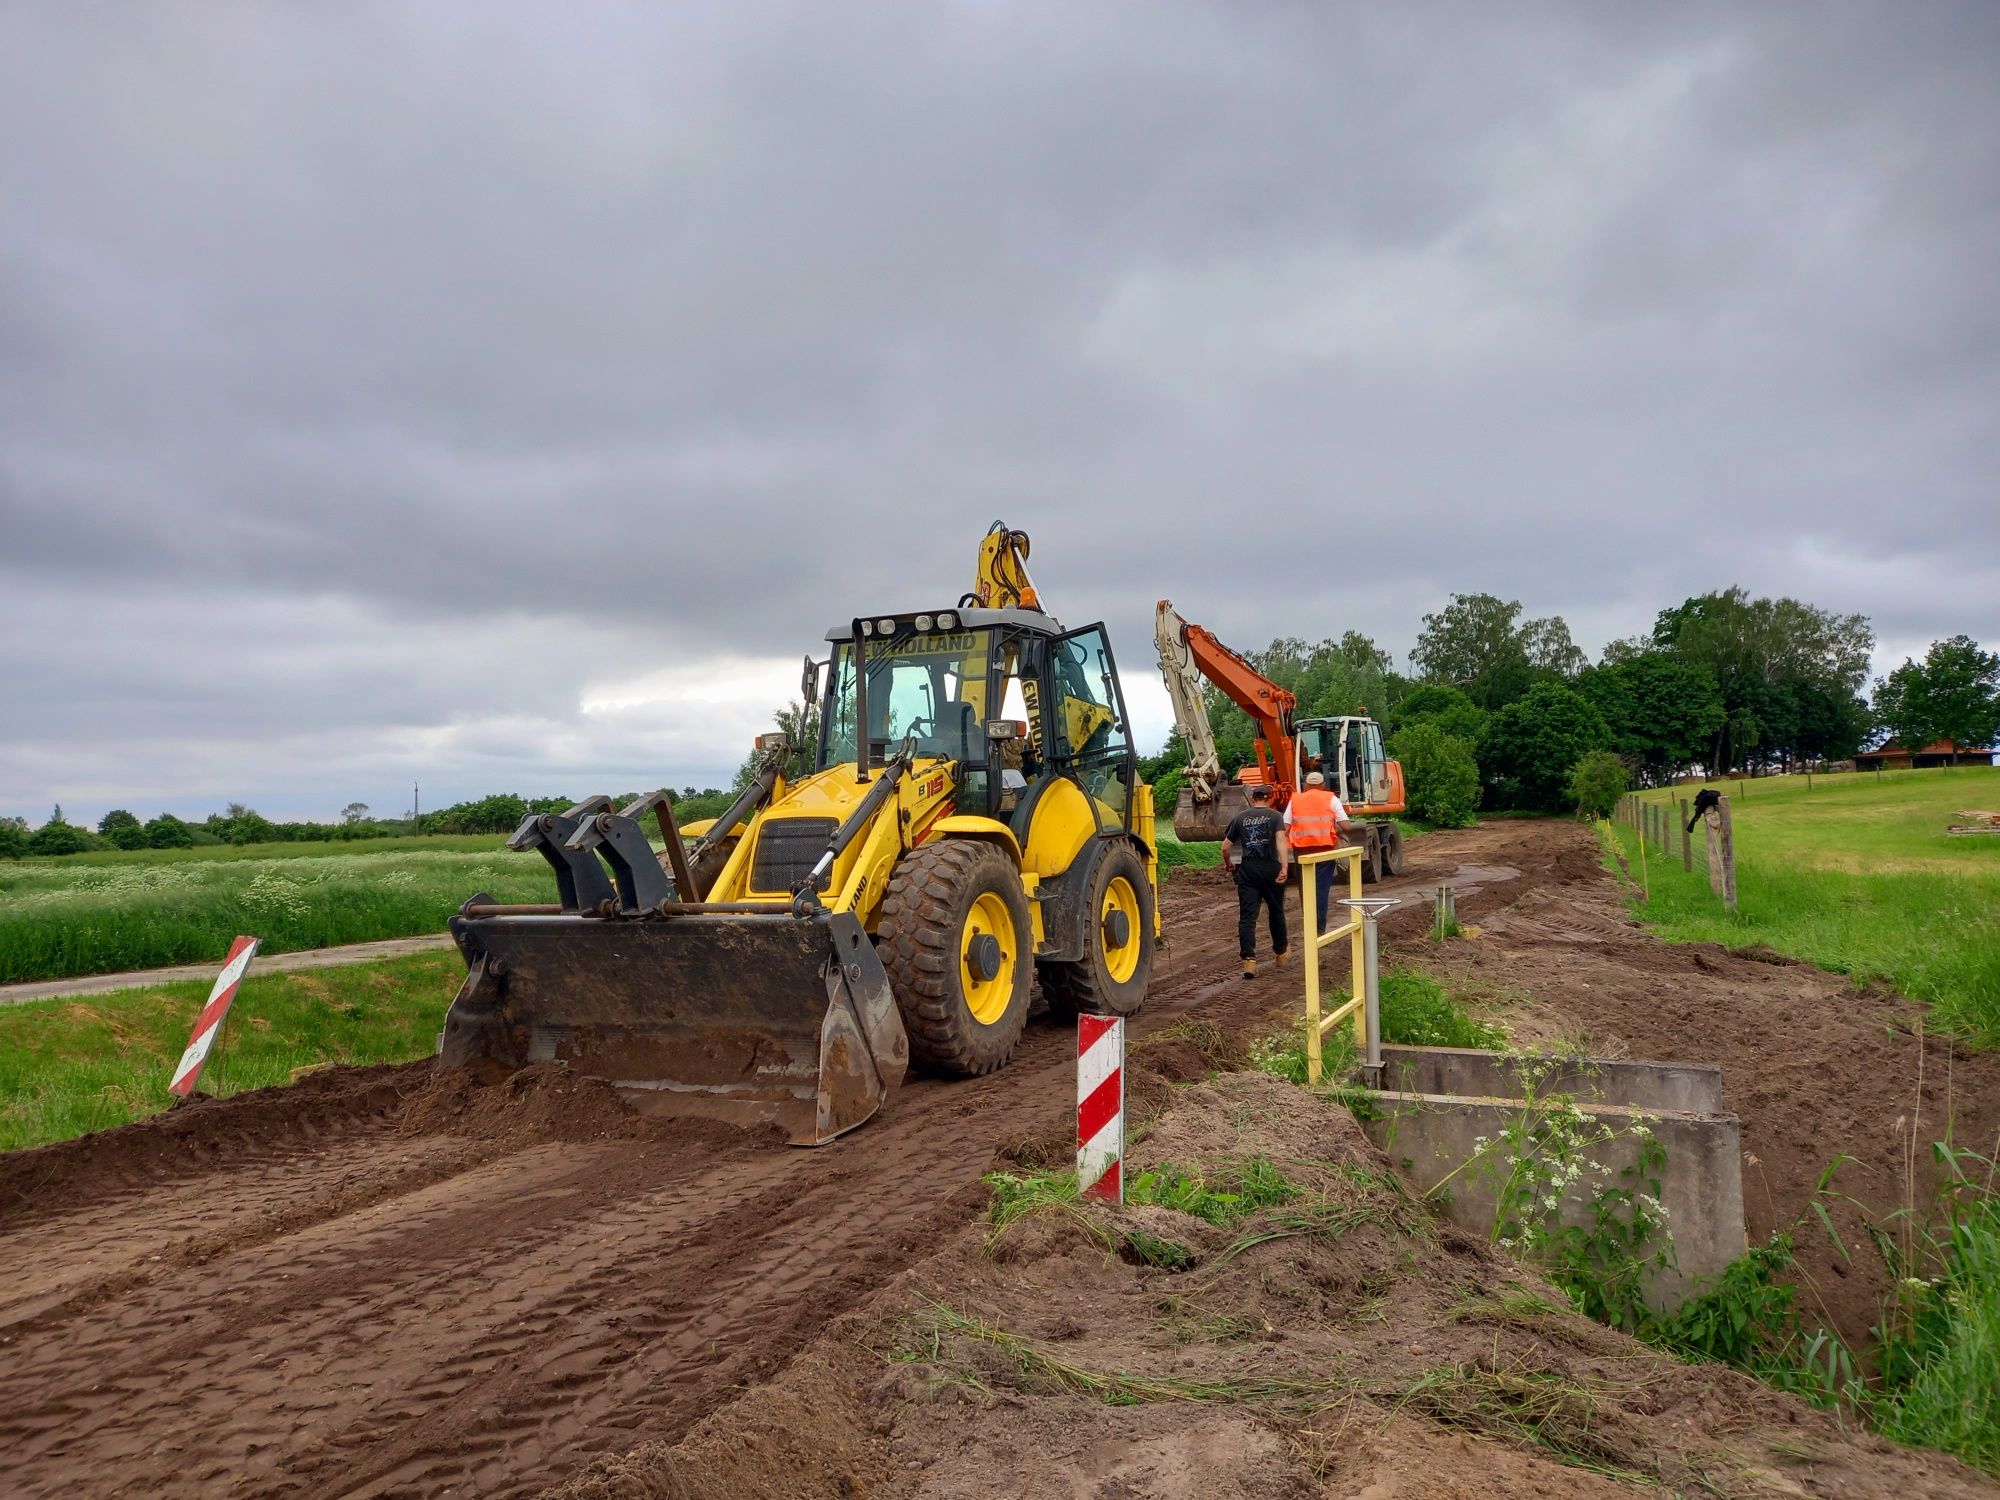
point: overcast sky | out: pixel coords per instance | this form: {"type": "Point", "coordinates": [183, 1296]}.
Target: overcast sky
{"type": "Point", "coordinates": [504, 398]}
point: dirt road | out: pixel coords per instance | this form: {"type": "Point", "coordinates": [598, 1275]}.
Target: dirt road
{"type": "Point", "coordinates": [267, 963]}
{"type": "Point", "coordinates": [377, 1284]}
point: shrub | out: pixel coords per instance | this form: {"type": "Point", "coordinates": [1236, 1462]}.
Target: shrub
{"type": "Point", "coordinates": [169, 832]}
{"type": "Point", "coordinates": [1166, 792]}
{"type": "Point", "coordinates": [58, 837]}
{"type": "Point", "coordinates": [13, 839]}
{"type": "Point", "coordinates": [1440, 777]}
{"type": "Point", "coordinates": [1531, 746]}
{"type": "Point", "coordinates": [1597, 783]}
{"type": "Point", "coordinates": [130, 836]}
{"type": "Point", "coordinates": [117, 818]}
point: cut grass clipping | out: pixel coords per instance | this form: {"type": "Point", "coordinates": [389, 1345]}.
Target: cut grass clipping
{"type": "Point", "coordinates": [109, 913]}
{"type": "Point", "coordinates": [1855, 874]}
{"type": "Point", "coordinates": [75, 1065]}
{"type": "Point", "coordinates": [1032, 1369]}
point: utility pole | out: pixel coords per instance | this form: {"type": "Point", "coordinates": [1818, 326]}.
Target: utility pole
{"type": "Point", "coordinates": [416, 808]}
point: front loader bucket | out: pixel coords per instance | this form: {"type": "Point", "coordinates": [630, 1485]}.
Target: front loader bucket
{"type": "Point", "coordinates": [746, 1018]}
{"type": "Point", "coordinates": [1198, 822]}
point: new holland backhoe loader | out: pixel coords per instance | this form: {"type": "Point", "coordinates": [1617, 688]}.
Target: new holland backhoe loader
{"type": "Point", "coordinates": [1347, 750]}
{"type": "Point", "coordinates": [973, 820]}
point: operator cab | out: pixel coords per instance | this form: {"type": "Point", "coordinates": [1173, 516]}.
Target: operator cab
{"type": "Point", "coordinates": [1004, 695]}
{"type": "Point", "coordinates": [1349, 751]}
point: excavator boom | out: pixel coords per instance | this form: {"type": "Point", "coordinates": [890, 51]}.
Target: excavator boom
{"type": "Point", "coordinates": [1349, 748]}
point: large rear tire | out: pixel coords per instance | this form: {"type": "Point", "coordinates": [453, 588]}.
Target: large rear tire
{"type": "Point", "coordinates": [1112, 976]}
{"type": "Point", "coordinates": [958, 944]}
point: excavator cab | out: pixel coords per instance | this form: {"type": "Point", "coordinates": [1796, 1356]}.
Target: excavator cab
{"type": "Point", "coordinates": [1348, 751]}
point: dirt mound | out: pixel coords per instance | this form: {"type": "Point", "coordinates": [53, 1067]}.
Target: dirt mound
{"type": "Point", "coordinates": [551, 1102]}
{"type": "Point", "coordinates": [203, 1135]}
{"type": "Point", "coordinates": [1339, 1342]}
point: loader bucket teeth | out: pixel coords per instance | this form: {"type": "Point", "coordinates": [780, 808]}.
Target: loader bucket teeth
{"type": "Point", "coordinates": [745, 1018]}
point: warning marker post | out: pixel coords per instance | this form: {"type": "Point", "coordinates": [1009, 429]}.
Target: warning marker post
{"type": "Point", "coordinates": [208, 1025]}
{"type": "Point", "coordinates": [1100, 1107]}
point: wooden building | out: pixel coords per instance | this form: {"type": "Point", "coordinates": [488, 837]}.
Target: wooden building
{"type": "Point", "coordinates": [1894, 757]}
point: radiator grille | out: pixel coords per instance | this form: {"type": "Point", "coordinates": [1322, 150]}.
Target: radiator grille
{"type": "Point", "coordinates": [787, 849]}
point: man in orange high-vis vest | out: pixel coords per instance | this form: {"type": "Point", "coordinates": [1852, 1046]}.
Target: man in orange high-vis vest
{"type": "Point", "coordinates": [1313, 822]}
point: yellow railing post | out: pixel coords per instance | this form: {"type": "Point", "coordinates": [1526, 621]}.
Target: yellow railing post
{"type": "Point", "coordinates": [1309, 919]}
{"type": "Point", "coordinates": [1318, 1023]}
{"type": "Point", "coordinates": [1358, 960]}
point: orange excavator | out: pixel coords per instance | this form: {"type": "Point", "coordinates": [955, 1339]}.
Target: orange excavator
{"type": "Point", "coordinates": [1347, 750]}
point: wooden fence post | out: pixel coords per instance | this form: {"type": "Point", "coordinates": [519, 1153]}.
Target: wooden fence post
{"type": "Point", "coordinates": [1687, 838]}
{"type": "Point", "coordinates": [1711, 826]}
{"type": "Point", "coordinates": [1728, 860]}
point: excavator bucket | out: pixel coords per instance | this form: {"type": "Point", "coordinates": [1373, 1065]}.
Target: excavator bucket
{"type": "Point", "coordinates": [1198, 822]}
{"type": "Point", "coordinates": [746, 1018]}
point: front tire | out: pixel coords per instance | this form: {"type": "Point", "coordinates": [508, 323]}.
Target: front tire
{"type": "Point", "coordinates": [1118, 960]}
{"type": "Point", "coordinates": [957, 942]}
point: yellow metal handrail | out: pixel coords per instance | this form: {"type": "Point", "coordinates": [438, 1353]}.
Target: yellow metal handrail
{"type": "Point", "coordinates": [1316, 1027]}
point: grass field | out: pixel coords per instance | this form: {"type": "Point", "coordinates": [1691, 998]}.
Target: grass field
{"type": "Point", "coordinates": [69, 1066]}
{"type": "Point", "coordinates": [1856, 874]}
{"type": "Point", "coordinates": [109, 912]}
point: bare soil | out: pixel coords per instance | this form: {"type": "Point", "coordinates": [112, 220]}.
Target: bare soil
{"type": "Point", "coordinates": [1814, 1065]}
{"type": "Point", "coordinates": [385, 1282]}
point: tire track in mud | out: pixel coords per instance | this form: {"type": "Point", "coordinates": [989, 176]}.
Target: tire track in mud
{"type": "Point", "coordinates": [358, 1311]}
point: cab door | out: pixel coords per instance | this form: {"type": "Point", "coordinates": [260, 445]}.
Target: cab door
{"type": "Point", "coordinates": [1087, 729]}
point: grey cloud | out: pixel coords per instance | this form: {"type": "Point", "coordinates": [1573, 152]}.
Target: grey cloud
{"type": "Point", "coordinates": [459, 354]}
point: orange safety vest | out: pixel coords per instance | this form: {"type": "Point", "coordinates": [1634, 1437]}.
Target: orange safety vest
{"type": "Point", "coordinates": [1313, 823]}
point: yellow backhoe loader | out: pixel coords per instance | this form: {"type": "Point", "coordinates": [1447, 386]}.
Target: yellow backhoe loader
{"type": "Point", "coordinates": [973, 820]}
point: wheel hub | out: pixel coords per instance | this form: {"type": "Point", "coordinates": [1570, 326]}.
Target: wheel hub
{"type": "Point", "coordinates": [982, 956]}
{"type": "Point", "coordinates": [1117, 929]}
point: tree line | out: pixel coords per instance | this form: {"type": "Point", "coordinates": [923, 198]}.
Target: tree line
{"type": "Point", "coordinates": [238, 824]}
{"type": "Point", "coordinates": [1504, 711]}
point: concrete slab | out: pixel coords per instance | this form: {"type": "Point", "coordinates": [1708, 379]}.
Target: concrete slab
{"type": "Point", "coordinates": [1465, 1072]}
{"type": "Point", "coordinates": [1433, 1134]}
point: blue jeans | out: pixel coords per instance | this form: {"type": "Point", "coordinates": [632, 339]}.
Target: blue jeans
{"type": "Point", "coordinates": [1324, 878]}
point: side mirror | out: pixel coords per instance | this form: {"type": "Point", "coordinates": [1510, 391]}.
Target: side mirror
{"type": "Point", "coordinates": [809, 683]}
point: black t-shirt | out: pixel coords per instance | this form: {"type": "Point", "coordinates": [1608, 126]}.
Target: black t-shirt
{"type": "Point", "coordinates": [1253, 833]}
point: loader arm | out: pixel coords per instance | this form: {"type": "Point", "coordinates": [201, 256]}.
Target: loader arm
{"type": "Point", "coordinates": [1187, 649]}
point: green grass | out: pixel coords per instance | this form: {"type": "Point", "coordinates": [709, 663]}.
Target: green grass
{"type": "Point", "coordinates": [1417, 1011]}
{"type": "Point", "coordinates": [74, 1065]}
{"type": "Point", "coordinates": [106, 913]}
{"type": "Point", "coordinates": [1174, 855]}
{"type": "Point", "coordinates": [1856, 875]}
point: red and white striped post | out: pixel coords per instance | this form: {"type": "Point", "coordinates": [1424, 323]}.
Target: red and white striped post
{"type": "Point", "coordinates": [1100, 1107]}
{"type": "Point", "coordinates": [208, 1025]}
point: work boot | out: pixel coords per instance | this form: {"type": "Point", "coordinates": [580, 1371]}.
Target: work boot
{"type": "Point", "coordinates": [1281, 959]}
{"type": "Point", "coordinates": [1249, 968]}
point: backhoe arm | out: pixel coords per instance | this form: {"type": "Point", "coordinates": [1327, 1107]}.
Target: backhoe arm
{"type": "Point", "coordinates": [1187, 650]}
{"type": "Point", "coordinates": [1002, 580]}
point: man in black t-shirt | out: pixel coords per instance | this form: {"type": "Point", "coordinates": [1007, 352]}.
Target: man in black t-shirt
{"type": "Point", "coordinates": [1255, 847]}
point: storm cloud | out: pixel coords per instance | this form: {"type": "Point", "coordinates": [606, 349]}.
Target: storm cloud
{"type": "Point", "coordinates": [504, 398]}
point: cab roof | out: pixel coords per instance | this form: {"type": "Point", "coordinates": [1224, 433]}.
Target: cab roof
{"type": "Point", "coordinates": [968, 619]}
